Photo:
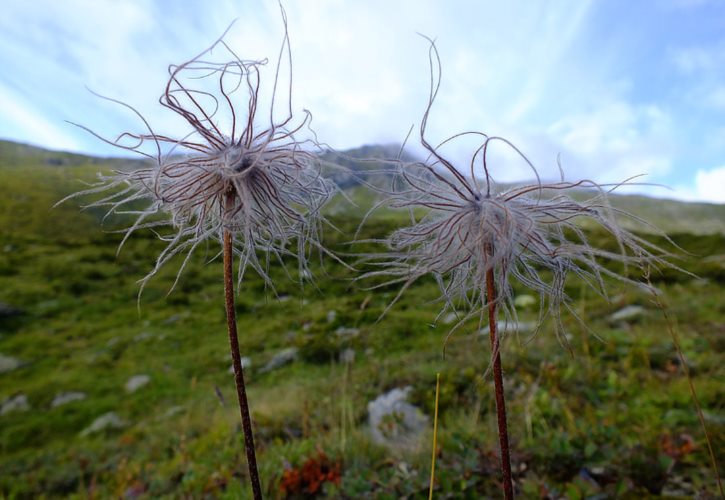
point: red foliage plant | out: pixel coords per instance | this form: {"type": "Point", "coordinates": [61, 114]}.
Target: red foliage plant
{"type": "Point", "coordinates": [308, 479]}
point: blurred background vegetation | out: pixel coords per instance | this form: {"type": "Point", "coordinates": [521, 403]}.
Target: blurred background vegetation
{"type": "Point", "coordinates": [100, 400]}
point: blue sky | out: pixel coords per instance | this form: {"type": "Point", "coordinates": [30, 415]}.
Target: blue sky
{"type": "Point", "coordinates": [617, 88]}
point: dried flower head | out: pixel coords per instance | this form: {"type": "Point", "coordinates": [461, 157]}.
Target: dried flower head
{"type": "Point", "coordinates": [531, 234]}
{"type": "Point", "coordinates": [230, 173]}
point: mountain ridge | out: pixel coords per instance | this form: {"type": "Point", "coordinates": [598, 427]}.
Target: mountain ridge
{"type": "Point", "coordinates": [666, 214]}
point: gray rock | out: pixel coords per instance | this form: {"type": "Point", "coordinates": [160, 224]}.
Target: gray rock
{"type": "Point", "coordinates": [136, 382]}
{"type": "Point", "coordinates": [331, 316]}
{"type": "Point", "coordinates": [627, 313]}
{"type": "Point", "coordinates": [347, 332]}
{"type": "Point", "coordinates": [67, 397]}
{"type": "Point", "coordinates": [143, 336]}
{"type": "Point", "coordinates": [347, 356]}
{"type": "Point", "coordinates": [107, 421]}
{"type": "Point", "coordinates": [19, 402]}
{"type": "Point", "coordinates": [47, 306]}
{"type": "Point", "coordinates": [521, 326]}
{"type": "Point", "coordinates": [524, 300]}
{"type": "Point", "coordinates": [450, 318]}
{"type": "Point", "coordinates": [173, 411]}
{"type": "Point", "coordinates": [713, 417]}
{"type": "Point", "coordinates": [246, 364]}
{"type": "Point", "coordinates": [678, 486]}
{"type": "Point", "coordinates": [6, 310]}
{"type": "Point", "coordinates": [524, 327]}
{"type": "Point", "coordinates": [282, 358]}
{"type": "Point", "coordinates": [172, 319]}
{"type": "Point", "coordinates": [8, 363]}
{"type": "Point", "coordinates": [393, 421]}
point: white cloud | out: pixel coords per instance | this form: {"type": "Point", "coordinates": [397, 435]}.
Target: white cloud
{"type": "Point", "coordinates": [709, 186]}
{"type": "Point", "coordinates": [22, 122]}
{"type": "Point", "coordinates": [616, 140]}
{"type": "Point", "coordinates": [698, 58]}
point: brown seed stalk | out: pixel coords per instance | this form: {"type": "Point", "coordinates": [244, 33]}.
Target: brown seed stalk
{"type": "Point", "coordinates": [503, 436]}
{"type": "Point", "coordinates": [237, 363]}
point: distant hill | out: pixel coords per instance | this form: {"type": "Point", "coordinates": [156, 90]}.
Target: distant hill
{"type": "Point", "coordinates": [370, 162]}
{"type": "Point", "coordinates": [669, 215]}
{"type": "Point", "coordinates": [49, 175]}
{"type": "Point", "coordinates": [17, 154]}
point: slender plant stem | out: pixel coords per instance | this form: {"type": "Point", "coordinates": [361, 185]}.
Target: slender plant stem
{"type": "Point", "coordinates": [237, 363]}
{"type": "Point", "coordinates": [683, 363]}
{"type": "Point", "coordinates": [435, 439]}
{"type": "Point", "coordinates": [503, 436]}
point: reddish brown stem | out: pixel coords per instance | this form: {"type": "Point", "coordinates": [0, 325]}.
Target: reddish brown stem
{"type": "Point", "coordinates": [503, 437]}
{"type": "Point", "coordinates": [237, 363]}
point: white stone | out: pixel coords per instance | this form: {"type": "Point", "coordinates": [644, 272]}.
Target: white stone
{"type": "Point", "coordinates": [136, 382]}
{"type": "Point", "coordinates": [450, 318]}
{"type": "Point", "coordinates": [627, 313]}
{"type": "Point", "coordinates": [8, 363]}
{"type": "Point", "coordinates": [393, 421]}
{"type": "Point", "coordinates": [67, 397]}
{"type": "Point", "coordinates": [143, 336]}
{"type": "Point", "coordinates": [524, 327]}
{"type": "Point", "coordinates": [282, 358]}
{"type": "Point", "coordinates": [18, 402]}
{"type": "Point", "coordinates": [109, 420]}
{"type": "Point", "coordinates": [245, 362]}
{"type": "Point", "coordinates": [523, 301]}
{"type": "Point", "coordinates": [347, 356]}
{"type": "Point", "coordinates": [348, 332]}
{"type": "Point", "coordinates": [173, 411]}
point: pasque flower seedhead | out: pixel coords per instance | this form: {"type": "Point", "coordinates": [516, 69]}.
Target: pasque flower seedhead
{"type": "Point", "coordinates": [259, 182]}
{"type": "Point", "coordinates": [530, 234]}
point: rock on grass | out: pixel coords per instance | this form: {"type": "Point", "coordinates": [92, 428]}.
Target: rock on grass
{"type": "Point", "coordinates": [67, 397]}
{"type": "Point", "coordinates": [628, 313]}
{"type": "Point", "coordinates": [19, 402]}
{"type": "Point", "coordinates": [8, 363]}
{"type": "Point", "coordinates": [136, 382]}
{"type": "Point", "coordinates": [393, 421]}
{"type": "Point", "coordinates": [107, 421]}
{"type": "Point", "coordinates": [280, 359]}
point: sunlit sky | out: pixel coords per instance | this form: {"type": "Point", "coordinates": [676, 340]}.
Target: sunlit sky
{"type": "Point", "coordinates": [616, 88]}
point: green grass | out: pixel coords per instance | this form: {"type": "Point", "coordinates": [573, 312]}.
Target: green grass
{"type": "Point", "coordinates": [605, 409]}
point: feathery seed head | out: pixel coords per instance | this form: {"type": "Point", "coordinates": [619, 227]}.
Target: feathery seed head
{"type": "Point", "coordinates": [230, 173]}
{"type": "Point", "coordinates": [531, 234]}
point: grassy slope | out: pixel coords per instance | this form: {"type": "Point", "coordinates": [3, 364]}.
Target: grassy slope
{"type": "Point", "coordinates": [607, 407]}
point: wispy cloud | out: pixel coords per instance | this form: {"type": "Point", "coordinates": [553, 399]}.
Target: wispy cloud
{"type": "Point", "coordinates": [707, 186]}
{"type": "Point", "coordinates": [22, 122]}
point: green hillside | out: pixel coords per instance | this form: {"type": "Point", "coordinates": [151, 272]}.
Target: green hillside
{"type": "Point", "coordinates": [612, 419]}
